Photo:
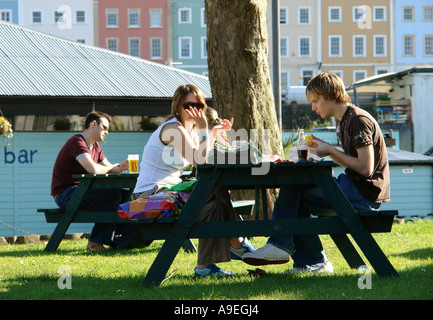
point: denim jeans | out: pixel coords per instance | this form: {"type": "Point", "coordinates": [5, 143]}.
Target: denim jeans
{"type": "Point", "coordinates": [99, 200]}
{"type": "Point", "coordinates": [302, 201]}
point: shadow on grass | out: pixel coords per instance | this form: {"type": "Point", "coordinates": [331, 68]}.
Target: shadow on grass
{"type": "Point", "coordinates": [343, 286]}
{"type": "Point", "coordinates": [422, 253]}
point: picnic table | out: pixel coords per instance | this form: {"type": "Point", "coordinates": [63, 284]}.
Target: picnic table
{"type": "Point", "coordinates": [359, 225]}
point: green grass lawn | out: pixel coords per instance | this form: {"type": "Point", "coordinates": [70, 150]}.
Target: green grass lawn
{"type": "Point", "coordinates": [27, 272]}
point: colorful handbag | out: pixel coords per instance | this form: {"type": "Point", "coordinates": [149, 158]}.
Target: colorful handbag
{"type": "Point", "coordinates": [163, 204]}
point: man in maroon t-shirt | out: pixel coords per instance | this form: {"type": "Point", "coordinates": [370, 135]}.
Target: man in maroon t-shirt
{"type": "Point", "coordinates": [83, 154]}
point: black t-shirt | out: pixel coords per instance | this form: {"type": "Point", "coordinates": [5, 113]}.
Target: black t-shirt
{"type": "Point", "coordinates": [357, 129]}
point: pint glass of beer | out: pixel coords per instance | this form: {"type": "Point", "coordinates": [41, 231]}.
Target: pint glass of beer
{"type": "Point", "coordinates": [133, 163]}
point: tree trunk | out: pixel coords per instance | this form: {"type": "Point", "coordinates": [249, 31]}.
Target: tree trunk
{"type": "Point", "coordinates": [237, 45]}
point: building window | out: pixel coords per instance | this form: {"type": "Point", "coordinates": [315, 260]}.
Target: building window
{"type": "Point", "coordinates": [185, 48]}
{"type": "Point", "coordinates": [359, 48]}
{"type": "Point", "coordinates": [284, 16]}
{"type": "Point", "coordinates": [113, 44]}
{"type": "Point", "coordinates": [6, 15]}
{"type": "Point", "coordinates": [133, 18]}
{"type": "Point", "coordinates": [408, 45]}
{"type": "Point", "coordinates": [284, 82]}
{"type": "Point", "coordinates": [428, 45]}
{"type": "Point", "coordinates": [379, 14]}
{"type": "Point", "coordinates": [304, 15]}
{"type": "Point", "coordinates": [155, 18]}
{"type": "Point", "coordinates": [306, 76]}
{"type": "Point", "coordinates": [334, 14]}
{"type": "Point", "coordinates": [427, 14]}
{"type": "Point", "coordinates": [408, 14]}
{"type": "Point", "coordinates": [203, 47]}
{"type": "Point", "coordinates": [37, 17]}
{"type": "Point", "coordinates": [359, 14]}
{"type": "Point", "coordinates": [284, 47]}
{"type": "Point", "coordinates": [304, 47]}
{"type": "Point", "coordinates": [134, 47]}
{"type": "Point", "coordinates": [335, 46]}
{"type": "Point", "coordinates": [359, 75]}
{"type": "Point", "coordinates": [80, 16]}
{"type": "Point", "coordinates": [380, 46]}
{"type": "Point", "coordinates": [156, 48]}
{"type": "Point", "coordinates": [58, 16]}
{"type": "Point", "coordinates": [203, 18]}
{"type": "Point", "coordinates": [184, 15]}
{"type": "Point", "coordinates": [111, 18]}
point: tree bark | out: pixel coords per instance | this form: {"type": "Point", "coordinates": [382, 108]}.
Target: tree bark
{"type": "Point", "coordinates": [237, 46]}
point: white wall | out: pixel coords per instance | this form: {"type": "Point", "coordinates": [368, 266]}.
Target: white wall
{"type": "Point", "coordinates": [70, 30]}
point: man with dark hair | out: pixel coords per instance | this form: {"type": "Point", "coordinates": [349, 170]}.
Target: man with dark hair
{"type": "Point", "coordinates": [365, 181]}
{"type": "Point", "coordinates": [82, 154]}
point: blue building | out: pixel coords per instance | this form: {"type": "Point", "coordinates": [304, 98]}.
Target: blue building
{"type": "Point", "coordinates": [9, 11]}
{"type": "Point", "coordinates": [413, 33]}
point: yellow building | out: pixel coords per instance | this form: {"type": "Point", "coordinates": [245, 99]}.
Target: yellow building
{"type": "Point", "coordinates": [356, 38]}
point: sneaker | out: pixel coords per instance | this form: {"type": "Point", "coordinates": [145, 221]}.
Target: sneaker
{"type": "Point", "coordinates": [325, 267]}
{"type": "Point", "coordinates": [212, 270]}
{"type": "Point", "coordinates": [268, 254]}
{"type": "Point", "coordinates": [236, 254]}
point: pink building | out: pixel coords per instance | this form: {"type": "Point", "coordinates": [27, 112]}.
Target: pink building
{"type": "Point", "coordinates": [134, 27]}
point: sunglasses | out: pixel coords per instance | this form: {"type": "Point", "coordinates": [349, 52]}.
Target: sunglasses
{"type": "Point", "coordinates": [197, 105]}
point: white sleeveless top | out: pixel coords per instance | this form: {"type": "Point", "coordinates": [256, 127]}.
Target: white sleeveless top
{"type": "Point", "coordinates": [160, 165]}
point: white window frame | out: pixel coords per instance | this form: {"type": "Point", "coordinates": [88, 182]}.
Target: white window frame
{"type": "Point", "coordinates": [355, 13]}
{"type": "Point", "coordinates": [424, 13]}
{"type": "Point", "coordinates": [107, 40]}
{"type": "Point", "coordinates": [425, 36]}
{"type": "Point", "coordinates": [76, 17]}
{"type": "Point", "coordinates": [359, 71]}
{"type": "Point", "coordinates": [309, 16]}
{"type": "Point", "coordinates": [364, 43]}
{"type": "Point", "coordinates": [403, 19]}
{"type": "Point", "coordinates": [285, 81]}
{"type": "Point", "coordinates": [385, 44]}
{"type": "Point", "coordinates": [203, 17]}
{"type": "Point", "coordinates": [339, 14]}
{"type": "Point", "coordinates": [309, 47]}
{"type": "Point", "coordinates": [151, 44]}
{"type": "Point", "coordinates": [286, 54]}
{"type": "Point", "coordinates": [203, 44]}
{"type": "Point", "coordinates": [413, 37]}
{"type": "Point", "coordinates": [286, 13]}
{"type": "Point", "coordinates": [180, 10]}
{"type": "Point", "coordinates": [138, 47]}
{"type": "Point", "coordinates": [152, 18]}
{"type": "Point", "coordinates": [340, 46]}
{"type": "Point", "coordinates": [33, 18]}
{"type": "Point", "coordinates": [8, 12]}
{"type": "Point", "coordinates": [181, 39]}
{"type": "Point", "coordinates": [114, 12]}
{"type": "Point", "coordinates": [302, 73]}
{"type": "Point", "coordinates": [374, 13]}
{"type": "Point", "coordinates": [138, 13]}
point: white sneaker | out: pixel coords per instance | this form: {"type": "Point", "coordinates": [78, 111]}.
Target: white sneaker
{"type": "Point", "coordinates": [325, 267]}
{"type": "Point", "coordinates": [268, 254]}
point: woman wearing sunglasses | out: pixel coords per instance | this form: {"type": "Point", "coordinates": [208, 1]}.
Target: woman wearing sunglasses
{"type": "Point", "coordinates": [182, 140]}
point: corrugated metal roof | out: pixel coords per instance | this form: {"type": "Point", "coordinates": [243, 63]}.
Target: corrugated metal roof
{"type": "Point", "coordinates": [37, 64]}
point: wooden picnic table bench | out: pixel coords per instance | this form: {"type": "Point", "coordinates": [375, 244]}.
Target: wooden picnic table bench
{"type": "Point", "coordinates": [63, 218]}
{"type": "Point", "coordinates": [240, 176]}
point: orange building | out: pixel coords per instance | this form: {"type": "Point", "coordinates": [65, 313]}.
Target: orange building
{"type": "Point", "coordinates": [134, 27]}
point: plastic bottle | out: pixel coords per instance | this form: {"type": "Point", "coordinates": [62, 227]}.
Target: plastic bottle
{"type": "Point", "coordinates": [302, 146]}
